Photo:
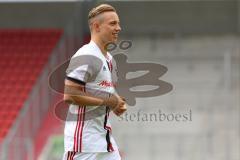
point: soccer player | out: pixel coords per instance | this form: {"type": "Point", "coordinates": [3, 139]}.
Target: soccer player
{"type": "Point", "coordinates": [90, 92]}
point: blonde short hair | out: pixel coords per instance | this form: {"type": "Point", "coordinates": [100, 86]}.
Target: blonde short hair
{"type": "Point", "coordinates": [99, 10]}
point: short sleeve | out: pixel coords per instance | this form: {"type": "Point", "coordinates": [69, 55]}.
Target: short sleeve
{"type": "Point", "coordinates": [79, 70]}
{"type": "Point", "coordinates": [83, 69]}
{"type": "Point", "coordinates": [79, 75]}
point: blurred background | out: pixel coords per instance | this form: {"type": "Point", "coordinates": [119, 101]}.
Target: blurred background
{"type": "Point", "coordinates": [197, 40]}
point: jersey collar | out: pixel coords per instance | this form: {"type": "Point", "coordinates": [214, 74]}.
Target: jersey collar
{"type": "Point", "coordinates": [108, 57]}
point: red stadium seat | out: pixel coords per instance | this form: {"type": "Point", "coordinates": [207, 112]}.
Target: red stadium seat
{"type": "Point", "coordinates": [23, 56]}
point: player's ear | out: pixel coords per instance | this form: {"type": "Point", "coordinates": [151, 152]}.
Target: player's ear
{"type": "Point", "coordinates": [96, 26]}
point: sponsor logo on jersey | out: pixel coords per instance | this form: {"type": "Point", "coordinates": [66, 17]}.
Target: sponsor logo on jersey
{"type": "Point", "coordinates": [104, 68]}
{"type": "Point", "coordinates": [107, 84]}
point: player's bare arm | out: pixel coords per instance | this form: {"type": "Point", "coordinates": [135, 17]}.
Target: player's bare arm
{"type": "Point", "coordinates": [74, 94]}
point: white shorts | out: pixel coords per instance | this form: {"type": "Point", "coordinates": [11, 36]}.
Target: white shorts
{"type": "Point", "coordinates": [92, 156]}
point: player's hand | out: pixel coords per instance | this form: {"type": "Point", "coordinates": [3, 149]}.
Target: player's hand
{"type": "Point", "coordinates": [120, 110]}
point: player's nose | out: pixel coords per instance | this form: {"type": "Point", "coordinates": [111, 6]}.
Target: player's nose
{"type": "Point", "coordinates": [118, 29]}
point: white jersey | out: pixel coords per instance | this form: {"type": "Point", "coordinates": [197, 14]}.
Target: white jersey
{"type": "Point", "coordinates": [90, 130]}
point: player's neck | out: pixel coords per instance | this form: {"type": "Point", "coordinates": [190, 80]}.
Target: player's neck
{"type": "Point", "coordinates": [100, 45]}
